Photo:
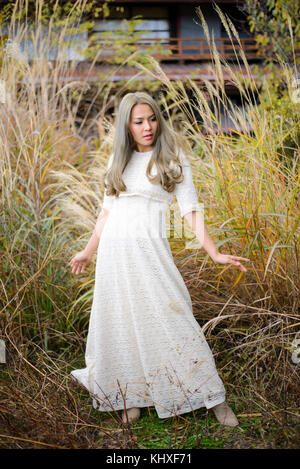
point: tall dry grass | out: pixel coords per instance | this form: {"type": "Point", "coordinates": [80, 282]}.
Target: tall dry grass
{"type": "Point", "coordinates": [50, 197]}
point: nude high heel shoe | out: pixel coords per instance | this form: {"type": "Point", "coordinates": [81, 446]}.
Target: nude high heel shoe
{"type": "Point", "coordinates": [133, 414]}
{"type": "Point", "coordinates": [225, 415]}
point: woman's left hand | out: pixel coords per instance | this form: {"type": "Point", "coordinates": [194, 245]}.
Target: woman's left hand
{"type": "Point", "coordinates": [228, 259]}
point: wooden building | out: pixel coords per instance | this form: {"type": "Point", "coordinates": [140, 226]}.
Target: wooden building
{"type": "Point", "coordinates": [176, 26]}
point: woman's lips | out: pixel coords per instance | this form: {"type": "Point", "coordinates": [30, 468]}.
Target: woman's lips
{"type": "Point", "coordinates": [148, 137]}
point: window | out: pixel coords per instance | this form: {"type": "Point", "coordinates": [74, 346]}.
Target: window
{"type": "Point", "coordinates": [155, 20]}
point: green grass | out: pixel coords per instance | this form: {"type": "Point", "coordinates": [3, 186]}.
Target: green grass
{"type": "Point", "coordinates": [185, 433]}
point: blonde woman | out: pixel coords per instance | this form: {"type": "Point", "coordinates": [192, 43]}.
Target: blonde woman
{"type": "Point", "coordinates": [144, 345]}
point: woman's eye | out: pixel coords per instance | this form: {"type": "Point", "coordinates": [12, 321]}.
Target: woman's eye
{"type": "Point", "coordinates": [153, 119]}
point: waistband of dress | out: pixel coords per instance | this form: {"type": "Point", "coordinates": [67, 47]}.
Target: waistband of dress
{"type": "Point", "coordinates": [156, 198]}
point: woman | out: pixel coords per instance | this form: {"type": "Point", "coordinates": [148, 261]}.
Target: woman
{"type": "Point", "coordinates": [144, 346]}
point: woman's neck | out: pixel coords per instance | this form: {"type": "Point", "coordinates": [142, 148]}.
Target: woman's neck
{"type": "Point", "coordinates": [143, 148]}
{"type": "Point", "coordinates": [142, 152]}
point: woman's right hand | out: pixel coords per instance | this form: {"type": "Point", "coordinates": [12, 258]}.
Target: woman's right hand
{"type": "Point", "coordinates": [79, 262]}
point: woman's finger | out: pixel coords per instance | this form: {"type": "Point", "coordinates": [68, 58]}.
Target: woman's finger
{"type": "Point", "coordinates": [239, 265]}
{"type": "Point", "coordinates": [77, 267]}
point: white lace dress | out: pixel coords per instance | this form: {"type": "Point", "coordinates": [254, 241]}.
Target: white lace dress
{"type": "Point", "coordinates": [144, 346]}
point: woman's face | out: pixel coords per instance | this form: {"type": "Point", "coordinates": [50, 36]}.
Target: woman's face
{"type": "Point", "coordinates": [142, 124]}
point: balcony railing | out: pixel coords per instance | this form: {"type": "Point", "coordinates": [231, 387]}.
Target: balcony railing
{"type": "Point", "coordinates": [181, 48]}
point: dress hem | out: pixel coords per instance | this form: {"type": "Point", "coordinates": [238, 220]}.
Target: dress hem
{"type": "Point", "coordinates": [171, 414]}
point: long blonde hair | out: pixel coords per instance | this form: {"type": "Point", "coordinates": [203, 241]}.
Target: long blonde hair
{"type": "Point", "coordinates": [166, 148]}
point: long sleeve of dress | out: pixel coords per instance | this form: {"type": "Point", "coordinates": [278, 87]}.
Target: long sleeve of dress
{"type": "Point", "coordinates": [108, 199]}
{"type": "Point", "coordinates": [185, 191]}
